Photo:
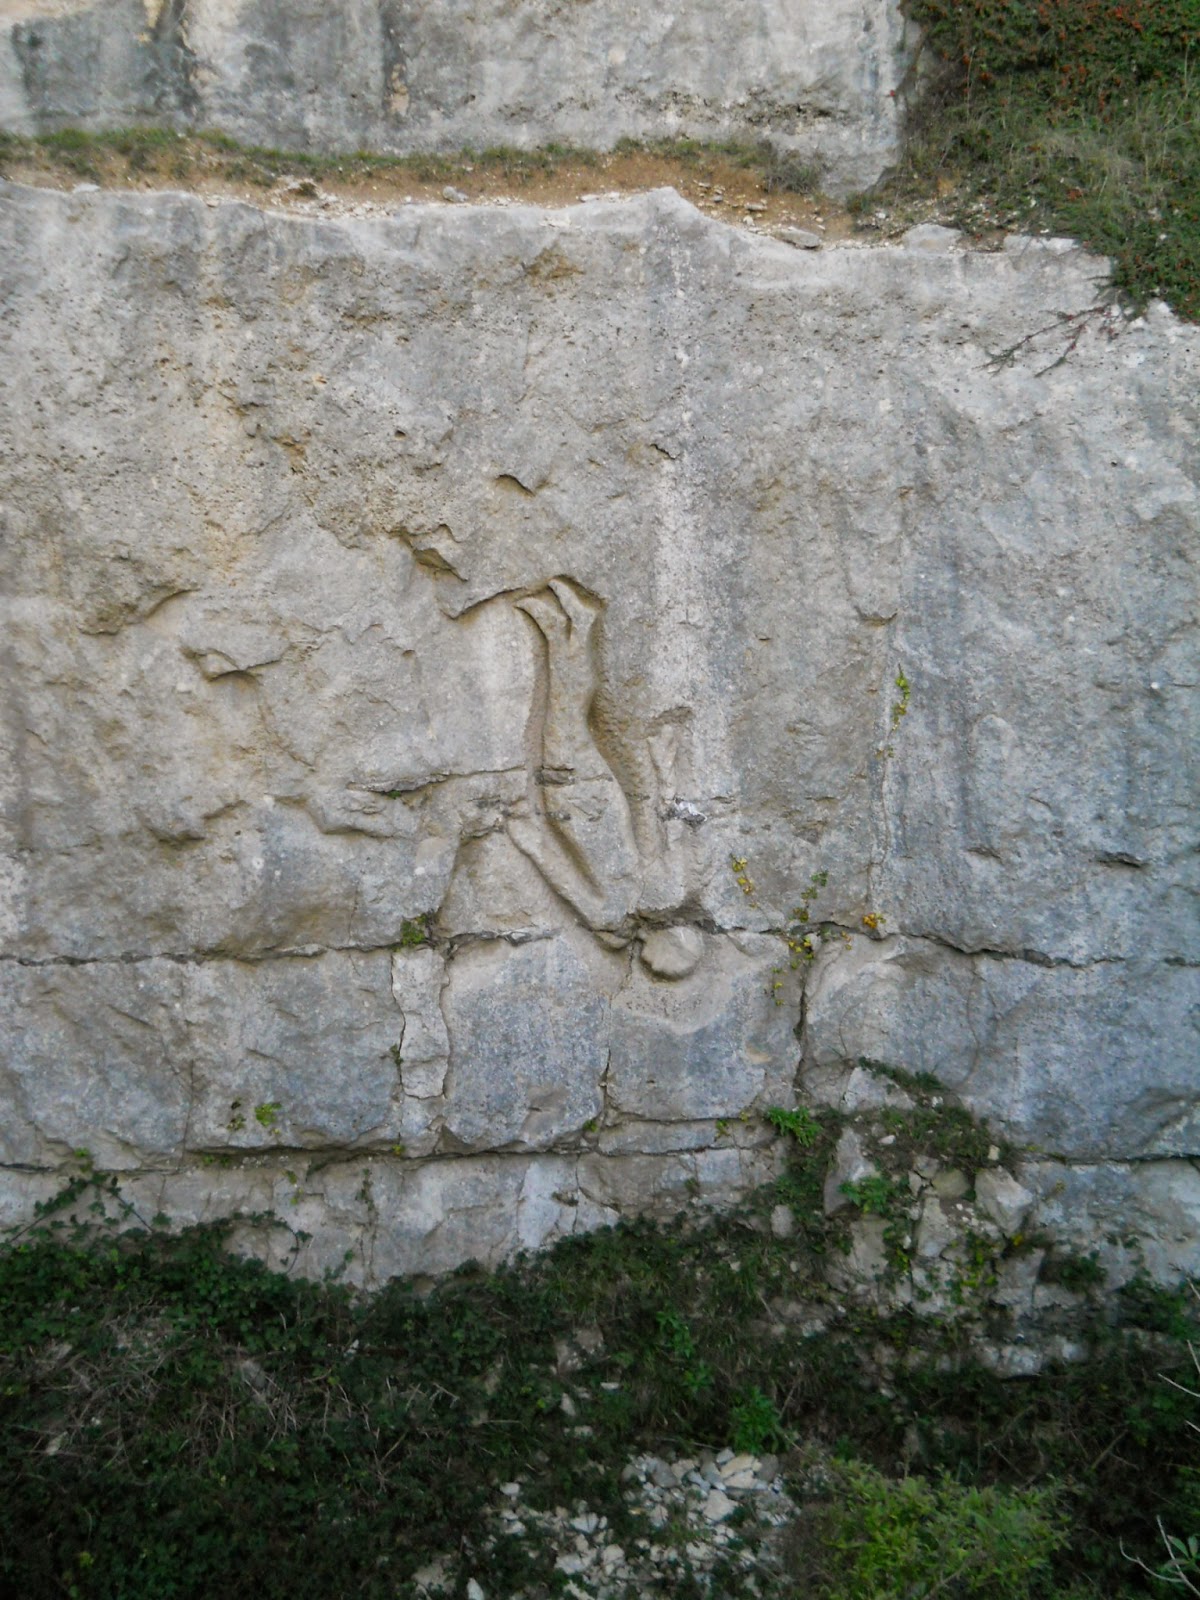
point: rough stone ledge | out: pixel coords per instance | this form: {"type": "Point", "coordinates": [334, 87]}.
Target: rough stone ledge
{"type": "Point", "coordinates": [372, 1218]}
{"type": "Point", "coordinates": [820, 77]}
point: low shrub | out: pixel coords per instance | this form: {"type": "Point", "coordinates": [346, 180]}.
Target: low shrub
{"type": "Point", "coordinates": [1078, 115]}
{"type": "Point", "coordinates": [870, 1537]}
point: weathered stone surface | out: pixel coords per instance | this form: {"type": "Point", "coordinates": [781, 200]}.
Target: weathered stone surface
{"type": "Point", "coordinates": [138, 1061]}
{"type": "Point", "coordinates": [800, 238]}
{"type": "Point", "coordinates": [816, 78]}
{"type": "Point", "coordinates": [931, 236]}
{"type": "Point", "coordinates": [94, 1058]}
{"type": "Point", "coordinates": [1081, 1061]}
{"type": "Point", "coordinates": [529, 1025]}
{"type": "Point", "coordinates": [693, 1048]}
{"type": "Point", "coordinates": [504, 575]}
{"type": "Point", "coordinates": [672, 952]}
{"type": "Point", "coordinates": [935, 1231]}
{"type": "Point", "coordinates": [1137, 1217]}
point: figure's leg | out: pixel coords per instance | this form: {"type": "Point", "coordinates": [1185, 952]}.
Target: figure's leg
{"type": "Point", "coordinates": [586, 849]}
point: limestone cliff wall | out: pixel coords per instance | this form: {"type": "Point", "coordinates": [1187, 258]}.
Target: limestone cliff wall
{"type": "Point", "coordinates": [812, 76]}
{"type": "Point", "coordinates": [408, 623]}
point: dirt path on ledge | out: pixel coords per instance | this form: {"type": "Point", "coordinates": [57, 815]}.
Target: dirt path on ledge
{"type": "Point", "coordinates": [736, 188]}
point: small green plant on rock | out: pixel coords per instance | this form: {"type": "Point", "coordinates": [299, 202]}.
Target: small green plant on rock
{"type": "Point", "coordinates": [414, 932]}
{"type": "Point", "coordinates": [797, 935]}
{"type": "Point", "coordinates": [888, 1198]}
{"type": "Point", "coordinates": [1074, 1272]}
{"type": "Point", "coordinates": [875, 1196]}
{"type": "Point", "coordinates": [695, 1374]}
{"type": "Point", "coordinates": [742, 877]}
{"type": "Point", "coordinates": [976, 1273]}
{"type": "Point", "coordinates": [267, 1115]}
{"type": "Point", "coordinates": [899, 710]}
{"type": "Point", "coordinates": [930, 1126]}
{"type": "Point", "coordinates": [755, 1423]}
{"type": "Point", "coordinates": [800, 1124]}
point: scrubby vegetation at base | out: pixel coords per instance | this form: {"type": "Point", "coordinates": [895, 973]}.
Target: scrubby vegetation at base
{"type": "Point", "coordinates": [1078, 115]}
{"type": "Point", "coordinates": [180, 1422]}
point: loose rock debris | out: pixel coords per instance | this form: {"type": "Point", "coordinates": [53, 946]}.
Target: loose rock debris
{"type": "Point", "coordinates": [709, 1518]}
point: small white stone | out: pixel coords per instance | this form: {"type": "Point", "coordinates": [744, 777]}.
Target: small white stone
{"type": "Point", "coordinates": [951, 1184]}
{"type": "Point", "coordinates": [474, 1590]}
{"type": "Point", "coordinates": [1000, 1197]}
{"type": "Point", "coordinates": [850, 1165]}
{"type": "Point", "coordinates": [573, 1563]}
{"type": "Point", "coordinates": [673, 952]}
{"type": "Point", "coordinates": [432, 1579]}
{"type": "Point", "coordinates": [718, 1506]}
{"type": "Point", "coordinates": [931, 236]}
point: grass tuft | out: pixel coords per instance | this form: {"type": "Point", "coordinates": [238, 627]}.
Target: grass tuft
{"type": "Point", "coordinates": [1076, 116]}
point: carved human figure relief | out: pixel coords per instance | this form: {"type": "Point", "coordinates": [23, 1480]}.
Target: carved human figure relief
{"type": "Point", "coordinates": [604, 843]}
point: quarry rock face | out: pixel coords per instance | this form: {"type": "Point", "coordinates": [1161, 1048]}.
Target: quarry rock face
{"type": "Point", "coordinates": [817, 78]}
{"type": "Point", "coordinates": [443, 655]}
